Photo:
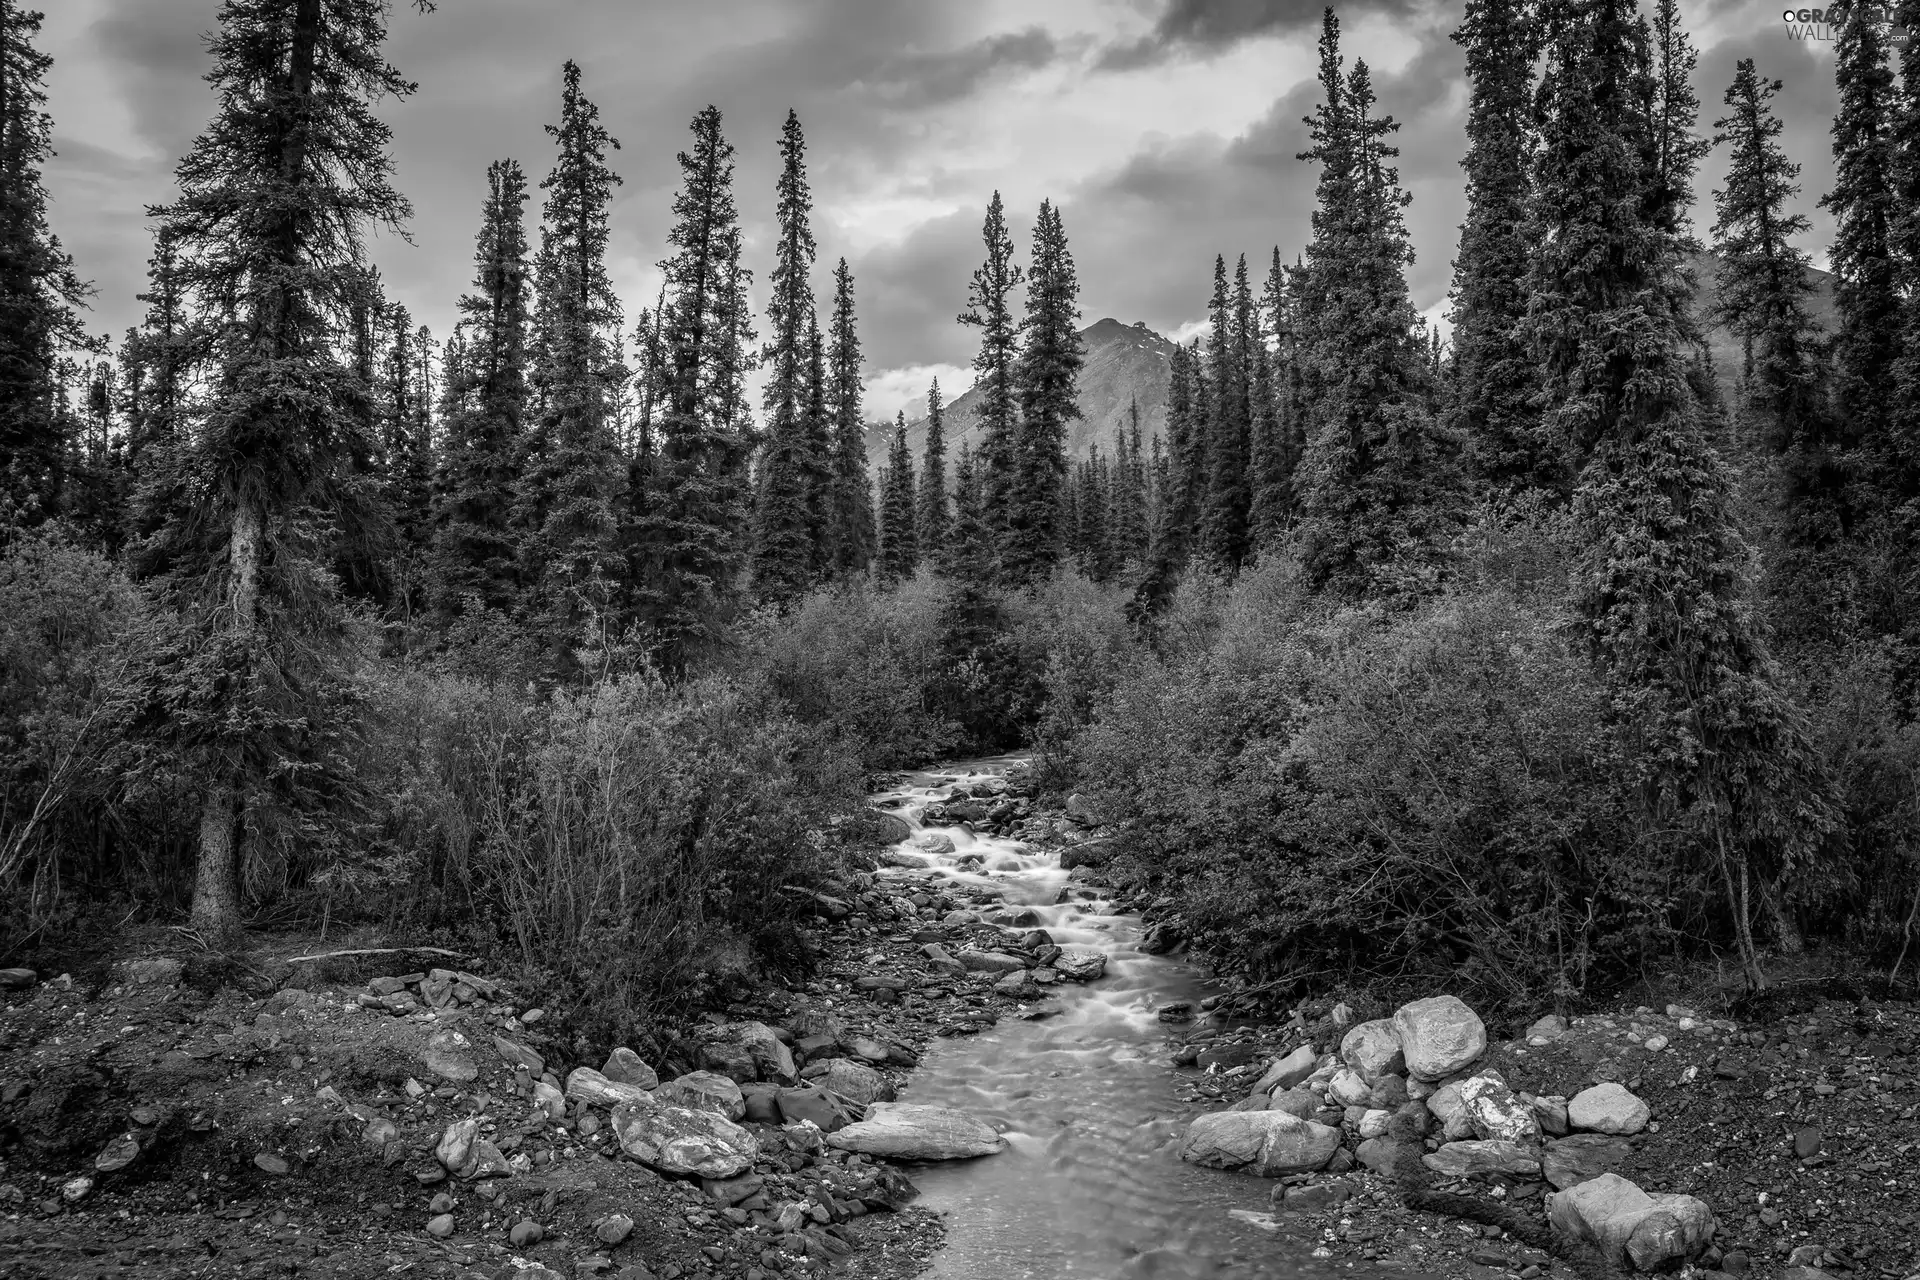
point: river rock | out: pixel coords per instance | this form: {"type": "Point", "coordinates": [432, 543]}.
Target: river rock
{"type": "Point", "coordinates": [1017, 985]}
{"type": "Point", "coordinates": [910, 1131]}
{"type": "Point", "coordinates": [1550, 1113]}
{"type": "Point", "coordinates": [1494, 1112]}
{"type": "Point", "coordinates": [1608, 1108]}
{"type": "Point", "coordinates": [449, 1055]}
{"type": "Point", "coordinates": [704, 1091]}
{"type": "Point", "coordinates": [1373, 1050]}
{"type": "Point", "coordinates": [1348, 1089]}
{"type": "Point", "coordinates": [456, 1144]}
{"type": "Point", "coordinates": [940, 960]}
{"type": "Point", "coordinates": [1082, 967]}
{"type": "Point", "coordinates": [515, 1054]}
{"type": "Point", "coordinates": [1268, 1144]}
{"type": "Point", "coordinates": [1373, 1124]}
{"type": "Point", "coordinates": [1377, 1154]}
{"type": "Point", "coordinates": [1628, 1224]}
{"type": "Point", "coordinates": [856, 1082]}
{"type": "Point", "coordinates": [1546, 1030]}
{"type": "Point", "coordinates": [1440, 1036]}
{"type": "Point", "coordinates": [1289, 1071]}
{"type": "Point", "coordinates": [1390, 1092]}
{"type": "Point", "coordinates": [584, 1084]}
{"type": "Point", "coordinates": [1583, 1157]}
{"type": "Point", "coordinates": [769, 1059]}
{"type": "Point", "coordinates": [624, 1066]}
{"type": "Point", "coordinates": [1299, 1103]}
{"type": "Point", "coordinates": [989, 961]}
{"type": "Point", "coordinates": [817, 1107]}
{"type": "Point", "coordinates": [1482, 1159]}
{"type": "Point", "coordinates": [679, 1141]}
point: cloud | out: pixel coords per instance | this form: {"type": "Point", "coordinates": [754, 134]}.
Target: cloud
{"type": "Point", "coordinates": [918, 80]}
{"type": "Point", "coordinates": [1198, 27]}
{"type": "Point", "coordinates": [905, 389]}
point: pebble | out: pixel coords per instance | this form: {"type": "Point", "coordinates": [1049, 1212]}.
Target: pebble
{"type": "Point", "coordinates": [440, 1225]}
{"type": "Point", "coordinates": [442, 1203]}
{"type": "Point", "coordinates": [614, 1229]}
{"type": "Point", "coordinates": [267, 1162]}
{"type": "Point", "coordinates": [524, 1233]}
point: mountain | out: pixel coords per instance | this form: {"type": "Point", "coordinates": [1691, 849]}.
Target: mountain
{"type": "Point", "coordinates": [1124, 361]}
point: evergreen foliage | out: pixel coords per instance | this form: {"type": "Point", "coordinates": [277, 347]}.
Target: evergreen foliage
{"type": "Point", "coordinates": [995, 367]}
{"type": "Point", "coordinates": [1046, 379]}
{"type": "Point", "coordinates": [899, 538]}
{"type": "Point", "coordinates": [933, 514]}
{"type": "Point", "coordinates": [851, 530]}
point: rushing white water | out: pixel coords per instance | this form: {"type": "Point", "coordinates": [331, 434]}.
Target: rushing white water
{"type": "Point", "coordinates": [1091, 1186]}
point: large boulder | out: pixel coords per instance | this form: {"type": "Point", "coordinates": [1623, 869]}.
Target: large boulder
{"type": "Point", "coordinates": [1080, 967]}
{"type": "Point", "coordinates": [624, 1066]}
{"type": "Point", "coordinates": [1608, 1108]}
{"type": "Point", "coordinates": [1583, 1157]}
{"type": "Point", "coordinates": [909, 1131]}
{"type": "Point", "coordinates": [1300, 1103]}
{"type": "Point", "coordinates": [1630, 1225]}
{"type": "Point", "coordinates": [1348, 1088]}
{"type": "Point", "coordinates": [1495, 1112]}
{"type": "Point", "coordinates": [1483, 1159]}
{"type": "Point", "coordinates": [772, 1060]}
{"type": "Point", "coordinates": [1289, 1071]}
{"type": "Point", "coordinates": [584, 1084]}
{"type": "Point", "coordinates": [1373, 1049]}
{"type": "Point", "coordinates": [823, 1110]}
{"type": "Point", "coordinates": [704, 1091]}
{"type": "Point", "coordinates": [1269, 1144]}
{"type": "Point", "coordinates": [1440, 1036]}
{"type": "Point", "coordinates": [681, 1141]}
{"type": "Point", "coordinates": [856, 1082]}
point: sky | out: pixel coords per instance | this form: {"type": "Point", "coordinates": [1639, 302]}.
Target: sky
{"type": "Point", "coordinates": [1165, 130]}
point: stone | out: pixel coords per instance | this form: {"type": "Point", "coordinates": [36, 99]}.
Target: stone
{"type": "Point", "coordinates": [1608, 1108]}
{"type": "Point", "coordinates": [1377, 1154]}
{"type": "Point", "coordinates": [1374, 1123]}
{"type": "Point", "coordinates": [856, 1082]}
{"type": "Point", "coordinates": [267, 1162]}
{"type": "Point", "coordinates": [989, 961]}
{"type": "Point", "coordinates": [815, 1106]}
{"type": "Point", "coordinates": [704, 1091]}
{"type": "Point", "coordinates": [117, 1155]}
{"type": "Point", "coordinates": [1081, 967]}
{"type": "Point", "coordinates": [1495, 1113]}
{"type": "Point", "coordinates": [681, 1141]}
{"type": "Point", "coordinates": [762, 1101]}
{"type": "Point", "coordinates": [1299, 1103]}
{"type": "Point", "coordinates": [1289, 1071]}
{"type": "Point", "coordinates": [524, 1233]}
{"type": "Point", "coordinates": [730, 1059]}
{"type": "Point", "coordinates": [1627, 1224]}
{"type": "Point", "coordinates": [1390, 1092]}
{"type": "Point", "coordinates": [1440, 1036]}
{"type": "Point", "coordinates": [1252, 1102]}
{"type": "Point", "coordinates": [1373, 1050]}
{"type": "Point", "coordinates": [1445, 1100]}
{"type": "Point", "coordinates": [17, 979]}
{"type": "Point", "coordinates": [157, 971]}
{"type": "Point", "coordinates": [440, 1225]}
{"type": "Point", "coordinates": [624, 1066]}
{"type": "Point", "coordinates": [549, 1100]}
{"type": "Point", "coordinates": [1547, 1029]}
{"type": "Point", "coordinates": [1348, 1089]}
{"type": "Point", "coordinates": [584, 1084]}
{"type": "Point", "coordinates": [1480, 1159]}
{"type": "Point", "coordinates": [1268, 1144]}
{"type": "Point", "coordinates": [612, 1230]}
{"type": "Point", "coordinates": [1807, 1142]}
{"type": "Point", "coordinates": [456, 1144]}
{"type": "Point", "coordinates": [516, 1054]}
{"type": "Point", "coordinates": [449, 1055]}
{"type": "Point", "coordinates": [1550, 1113]}
{"type": "Point", "coordinates": [1583, 1157]}
{"type": "Point", "coordinates": [1018, 985]}
{"type": "Point", "coordinates": [771, 1058]}
{"type": "Point", "coordinates": [910, 1131]}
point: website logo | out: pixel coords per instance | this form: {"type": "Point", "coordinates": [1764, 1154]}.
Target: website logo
{"type": "Point", "coordinates": [1824, 23]}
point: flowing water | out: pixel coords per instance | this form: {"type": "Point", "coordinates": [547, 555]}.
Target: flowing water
{"type": "Point", "coordinates": [1090, 1186]}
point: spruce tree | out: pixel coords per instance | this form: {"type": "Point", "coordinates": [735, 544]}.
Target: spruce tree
{"type": "Point", "coordinates": [1378, 485]}
{"type": "Point", "coordinates": [1494, 374]}
{"type": "Point", "coordinates": [1226, 527]}
{"type": "Point", "coordinates": [1904, 241]}
{"type": "Point", "coordinates": [690, 550]}
{"type": "Point", "coordinates": [1093, 517]}
{"type": "Point", "coordinates": [933, 515]}
{"type": "Point", "coordinates": [899, 540]}
{"type": "Point", "coordinates": [1179, 486]}
{"type": "Point", "coordinates": [1764, 283]}
{"type": "Point", "coordinates": [1863, 204]}
{"type": "Point", "coordinates": [39, 292]}
{"type": "Point", "coordinates": [570, 494]}
{"type": "Point", "coordinates": [1046, 379]}
{"type": "Point", "coordinates": [474, 546]}
{"type": "Point", "coordinates": [789, 517]}
{"type": "Point", "coordinates": [274, 201]}
{"type": "Point", "coordinates": [989, 309]}
{"type": "Point", "coordinates": [851, 527]}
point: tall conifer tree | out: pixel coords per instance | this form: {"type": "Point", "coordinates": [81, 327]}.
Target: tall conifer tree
{"type": "Point", "coordinates": [851, 527]}
{"type": "Point", "coordinates": [990, 309]}
{"type": "Point", "coordinates": [899, 538]}
{"type": "Point", "coordinates": [1226, 518]}
{"type": "Point", "coordinates": [1046, 378]}
{"type": "Point", "coordinates": [274, 200]}
{"type": "Point", "coordinates": [934, 516]}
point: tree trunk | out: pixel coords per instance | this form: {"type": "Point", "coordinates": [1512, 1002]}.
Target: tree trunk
{"type": "Point", "coordinates": [1785, 931]}
{"type": "Point", "coordinates": [1735, 881]}
{"type": "Point", "coordinates": [216, 910]}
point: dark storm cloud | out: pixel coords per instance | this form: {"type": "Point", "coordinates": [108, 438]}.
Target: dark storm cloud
{"type": "Point", "coordinates": [1188, 27]}
{"type": "Point", "coordinates": [930, 79]}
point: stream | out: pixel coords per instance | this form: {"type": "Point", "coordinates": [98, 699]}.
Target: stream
{"type": "Point", "coordinates": [1091, 1185]}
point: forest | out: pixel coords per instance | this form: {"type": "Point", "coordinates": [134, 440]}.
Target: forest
{"type": "Point", "coordinates": [1529, 655]}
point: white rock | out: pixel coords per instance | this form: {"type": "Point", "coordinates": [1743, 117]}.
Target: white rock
{"type": "Point", "coordinates": [1440, 1036]}
{"type": "Point", "coordinates": [1374, 1123]}
{"type": "Point", "coordinates": [1267, 1143]}
{"type": "Point", "coordinates": [677, 1140]}
{"type": "Point", "coordinates": [1494, 1112]}
{"type": "Point", "coordinates": [1290, 1071]}
{"type": "Point", "coordinates": [704, 1091]}
{"type": "Point", "coordinates": [1348, 1089]}
{"type": "Point", "coordinates": [1608, 1108]}
{"type": "Point", "coordinates": [856, 1082]}
{"type": "Point", "coordinates": [1373, 1050]}
{"type": "Point", "coordinates": [1477, 1159]}
{"type": "Point", "coordinates": [909, 1131]}
{"type": "Point", "coordinates": [1627, 1224]}
{"type": "Point", "coordinates": [456, 1144]}
{"type": "Point", "coordinates": [549, 1100]}
{"type": "Point", "coordinates": [584, 1084]}
{"type": "Point", "coordinates": [624, 1066]}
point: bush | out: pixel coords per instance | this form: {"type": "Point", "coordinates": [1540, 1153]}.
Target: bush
{"type": "Point", "coordinates": [634, 846]}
